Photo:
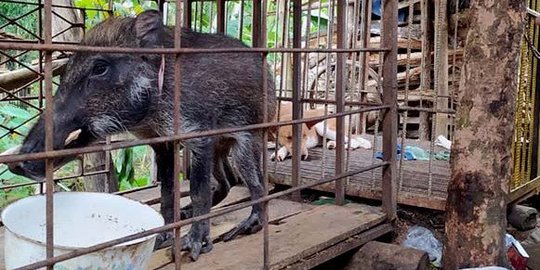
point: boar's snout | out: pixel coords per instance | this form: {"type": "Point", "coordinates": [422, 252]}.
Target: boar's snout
{"type": "Point", "coordinates": [18, 168]}
{"type": "Point", "coordinates": [35, 142]}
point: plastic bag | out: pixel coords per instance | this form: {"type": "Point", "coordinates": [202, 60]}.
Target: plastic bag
{"type": "Point", "coordinates": [421, 238]}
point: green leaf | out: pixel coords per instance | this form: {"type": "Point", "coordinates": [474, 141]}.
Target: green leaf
{"type": "Point", "coordinates": [141, 182]}
{"type": "Point", "coordinates": [11, 110]}
{"type": "Point", "coordinates": [125, 185]}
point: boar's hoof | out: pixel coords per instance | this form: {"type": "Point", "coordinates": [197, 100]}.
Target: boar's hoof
{"type": "Point", "coordinates": [163, 240]}
{"type": "Point", "coordinates": [196, 242]}
{"type": "Point", "coordinates": [251, 225]}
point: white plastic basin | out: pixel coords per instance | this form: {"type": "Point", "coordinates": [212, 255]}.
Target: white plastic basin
{"type": "Point", "coordinates": [81, 219]}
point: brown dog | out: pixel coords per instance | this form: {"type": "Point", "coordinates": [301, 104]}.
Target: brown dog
{"type": "Point", "coordinates": [312, 133]}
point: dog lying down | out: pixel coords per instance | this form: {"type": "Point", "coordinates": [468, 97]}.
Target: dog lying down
{"type": "Point", "coordinates": [313, 133]}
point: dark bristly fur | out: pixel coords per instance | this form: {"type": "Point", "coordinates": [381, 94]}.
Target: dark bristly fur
{"type": "Point", "coordinates": [104, 94]}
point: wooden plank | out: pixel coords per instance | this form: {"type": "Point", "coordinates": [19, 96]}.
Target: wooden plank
{"type": "Point", "coordinates": [521, 193]}
{"type": "Point", "coordinates": [441, 66]}
{"type": "Point", "coordinates": [419, 186]}
{"type": "Point", "coordinates": [297, 237]}
{"type": "Point", "coordinates": [341, 247]}
{"type": "Point", "coordinates": [426, 23]}
{"type": "Point", "coordinates": [278, 210]}
{"type": "Point", "coordinates": [153, 195]}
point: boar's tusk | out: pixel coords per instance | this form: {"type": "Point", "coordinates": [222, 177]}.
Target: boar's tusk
{"type": "Point", "coordinates": [72, 136]}
{"type": "Point", "coordinates": [11, 151]}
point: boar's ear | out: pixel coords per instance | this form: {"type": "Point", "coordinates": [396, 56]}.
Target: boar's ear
{"type": "Point", "coordinates": [149, 29]}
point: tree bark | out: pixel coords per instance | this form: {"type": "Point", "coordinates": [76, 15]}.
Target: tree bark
{"type": "Point", "coordinates": [481, 154]}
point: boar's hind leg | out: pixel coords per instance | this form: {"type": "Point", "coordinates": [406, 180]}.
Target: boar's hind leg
{"type": "Point", "coordinates": [197, 240]}
{"type": "Point", "coordinates": [246, 155]}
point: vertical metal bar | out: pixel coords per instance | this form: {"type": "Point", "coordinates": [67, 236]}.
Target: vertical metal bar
{"type": "Point", "coordinates": [389, 40]}
{"type": "Point", "coordinates": [161, 4]}
{"type": "Point", "coordinates": [41, 70]}
{"type": "Point", "coordinates": [341, 79]}
{"type": "Point", "coordinates": [49, 129]}
{"type": "Point", "coordinates": [188, 13]}
{"type": "Point", "coordinates": [186, 154]}
{"type": "Point", "coordinates": [297, 109]}
{"type": "Point", "coordinates": [256, 29]}
{"type": "Point", "coordinates": [221, 16]}
{"type": "Point", "coordinates": [266, 237]}
{"type": "Point", "coordinates": [176, 125]}
{"type": "Point", "coordinates": [241, 23]}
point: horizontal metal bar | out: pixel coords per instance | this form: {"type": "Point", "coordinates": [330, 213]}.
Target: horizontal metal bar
{"type": "Point", "coordinates": [83, 251]}
{"type": "Point", "coordinates": [164, 139]}
{"type": "Point", "coordinates": [323, 101]}
{"type": "Point", "coordinates": [33, 41]}
{"type": "Point", "coordinates": [73, 48]}
{"type": "Point", "coordinates": [57, 6]}
{"type": "Point", "coordinates": [431, 110]}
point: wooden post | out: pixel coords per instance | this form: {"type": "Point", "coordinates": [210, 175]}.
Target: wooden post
{"type": "Point", "coordinates": [481, 154]}
{"type": "Point", "coordinates": [427, 48]}
{"type": "Point", "coordinates": [441, 67]}
{"type": "Point", "coordinates": [389, 40]}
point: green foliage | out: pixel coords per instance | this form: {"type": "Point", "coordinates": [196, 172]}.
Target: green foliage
{"type": "Point", "coordinates": [98, 10]}
{"type": "Point", "coordinates": [12, 116]}
{"type": "Point", "coordinates": [125, 163]}
{"type": "Point", "coordinates": [27, 27]}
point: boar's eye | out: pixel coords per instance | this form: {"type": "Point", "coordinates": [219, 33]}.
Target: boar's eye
{"type": "Point", "coordinates": [100, 68]}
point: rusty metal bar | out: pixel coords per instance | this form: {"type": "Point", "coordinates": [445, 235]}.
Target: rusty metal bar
{"type": "Point", "coordinates": [74, 48]}
{"type": "Point", "coordinates": [296, 85]}
{"type": "Point", "coordinates": [53, 5]}
{"type": "Point", "coordinates": [220, 212]}
{"type": "Point", "coordinates": [241, 22]}
{"type": "Point", "coordinates": [41, 70]}
{"type": "Point", "coordinates": [181, 136]}
{"type": "Point", "coordinates": [49, 133]}
{"type": "Point", "coordinates": [161, 5]}
{"type": "Point", "coordinates": [266, 119]}
{"type": "Point", "coordinates": [389, 39]}
{"type": "Point", "coordinates": [221, 16]}
{"type": "Point", "coordinates": [341, 80]}
{"type": "Point", "coordinates": [256, 24]}
{"type": "Point", "coordinates": [188, 13]}
{"type": "Point", "coordinates": [176, 126]}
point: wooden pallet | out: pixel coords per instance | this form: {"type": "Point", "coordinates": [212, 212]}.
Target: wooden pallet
{"type": "Point", "coordinates": [301, 235]}
{"type": "Point", "coordinates": [419, 182]}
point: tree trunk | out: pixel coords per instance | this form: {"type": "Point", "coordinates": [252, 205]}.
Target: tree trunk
{"type": "Point", "coordinates": [481, 155]}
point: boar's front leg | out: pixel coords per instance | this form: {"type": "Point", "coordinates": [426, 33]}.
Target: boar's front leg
{"type": "Point", "coordinates": [165, 174]}
{"type": "Point", "coordinates": [198, 240]}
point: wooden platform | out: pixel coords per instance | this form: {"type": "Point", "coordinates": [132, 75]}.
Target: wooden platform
{"type": "Point", "coordinates": [421, 183]}
{"type": "Point", "coordinates": [301, 235]}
